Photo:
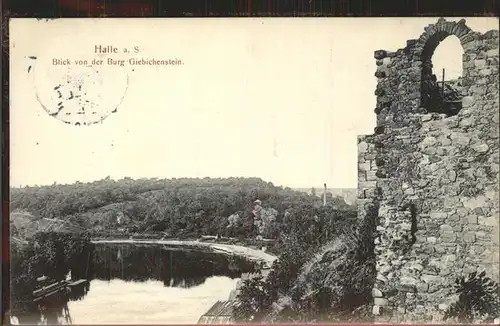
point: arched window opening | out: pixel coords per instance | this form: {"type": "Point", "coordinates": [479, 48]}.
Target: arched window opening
{"type": "Point", "coordinates": [442, 88]}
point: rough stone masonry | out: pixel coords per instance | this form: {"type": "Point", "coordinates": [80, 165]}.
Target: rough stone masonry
{"type": "Point", "coordinates": [432, 175]}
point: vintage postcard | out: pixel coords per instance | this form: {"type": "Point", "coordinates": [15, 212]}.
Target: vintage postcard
{"type": "Point", "coordinates": [269, 170]}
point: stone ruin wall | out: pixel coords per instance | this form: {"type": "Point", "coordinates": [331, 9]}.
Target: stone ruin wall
{"type": "Point", "coordinates": [433, 178]}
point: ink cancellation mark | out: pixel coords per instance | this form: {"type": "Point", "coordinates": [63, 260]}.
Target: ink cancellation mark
{"type": "Point", "coordinates": [79, 94]}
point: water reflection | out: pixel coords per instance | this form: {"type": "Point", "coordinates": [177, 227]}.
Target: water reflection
{"type": "Point", "coordinates": [117, 272]}
{"type": "Point", "coordinates": [174, 267]}
{"type": "Point", "coordinates": [149, 302]}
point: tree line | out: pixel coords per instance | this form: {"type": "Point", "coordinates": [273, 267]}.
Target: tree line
{"type": "Point", "coordinates": [187, 207]}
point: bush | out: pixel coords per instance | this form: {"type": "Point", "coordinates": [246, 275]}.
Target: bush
{"type": "Point", "coordinates": [254, 300]}
{"type": "Point", "coordinates": [478, 299]}
{"type": "Point", "coordinates": [337, 282]}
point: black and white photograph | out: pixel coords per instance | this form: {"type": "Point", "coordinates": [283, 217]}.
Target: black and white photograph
{"type": "Point", "coordinates": [254, 170]}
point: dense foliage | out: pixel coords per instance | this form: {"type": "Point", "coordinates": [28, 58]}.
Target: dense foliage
{"type": "Point", "coordinates": [478, 299]}
{"type": "Point", "coordinates": [51, 255]}
{"type": "Point", "coordinates": [325, 271]}
{"type": "Point", "coordinates": [177, 207]}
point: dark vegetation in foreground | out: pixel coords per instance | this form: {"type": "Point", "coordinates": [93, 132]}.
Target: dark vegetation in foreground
{"type": "Point", "coordinates": [478, 299]}
{"type": "Point", "coordinates": [50, 254]}
{"type": "Point", "coordinates": [319, 277]}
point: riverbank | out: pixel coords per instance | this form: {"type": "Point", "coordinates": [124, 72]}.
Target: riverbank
{"type": "Point", "coordinates": [251, 254]}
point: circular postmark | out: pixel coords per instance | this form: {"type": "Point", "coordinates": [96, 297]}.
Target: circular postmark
{"type": "Point", "coordinates": [76, 92]}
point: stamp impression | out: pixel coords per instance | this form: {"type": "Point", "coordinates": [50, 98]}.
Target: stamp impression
{"type": "Point", "coordinates": [76, 92]}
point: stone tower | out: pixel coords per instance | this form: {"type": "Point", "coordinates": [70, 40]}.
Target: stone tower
{"type": "Point", "coordinates": [430, 173]}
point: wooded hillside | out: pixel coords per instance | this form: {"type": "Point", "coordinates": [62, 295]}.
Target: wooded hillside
{"type": "Point", "coordinates": [174, 207]}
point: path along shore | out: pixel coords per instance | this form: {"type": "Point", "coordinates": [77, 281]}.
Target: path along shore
{"type": "Point", "coordinates": [228, 249]}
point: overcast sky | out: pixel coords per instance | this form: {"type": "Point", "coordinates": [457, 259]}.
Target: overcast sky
{"type": "Point", "coordinates": [280, 99]}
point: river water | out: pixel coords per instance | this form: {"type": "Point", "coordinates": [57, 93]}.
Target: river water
{"type": "Point", "coordinates": [149, 302]}
{"type": "Point", "coordinates": [154, 284]}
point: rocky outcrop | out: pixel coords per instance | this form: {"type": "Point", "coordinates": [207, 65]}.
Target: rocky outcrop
{"type": "Point", "coordinates": [24, 225]}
